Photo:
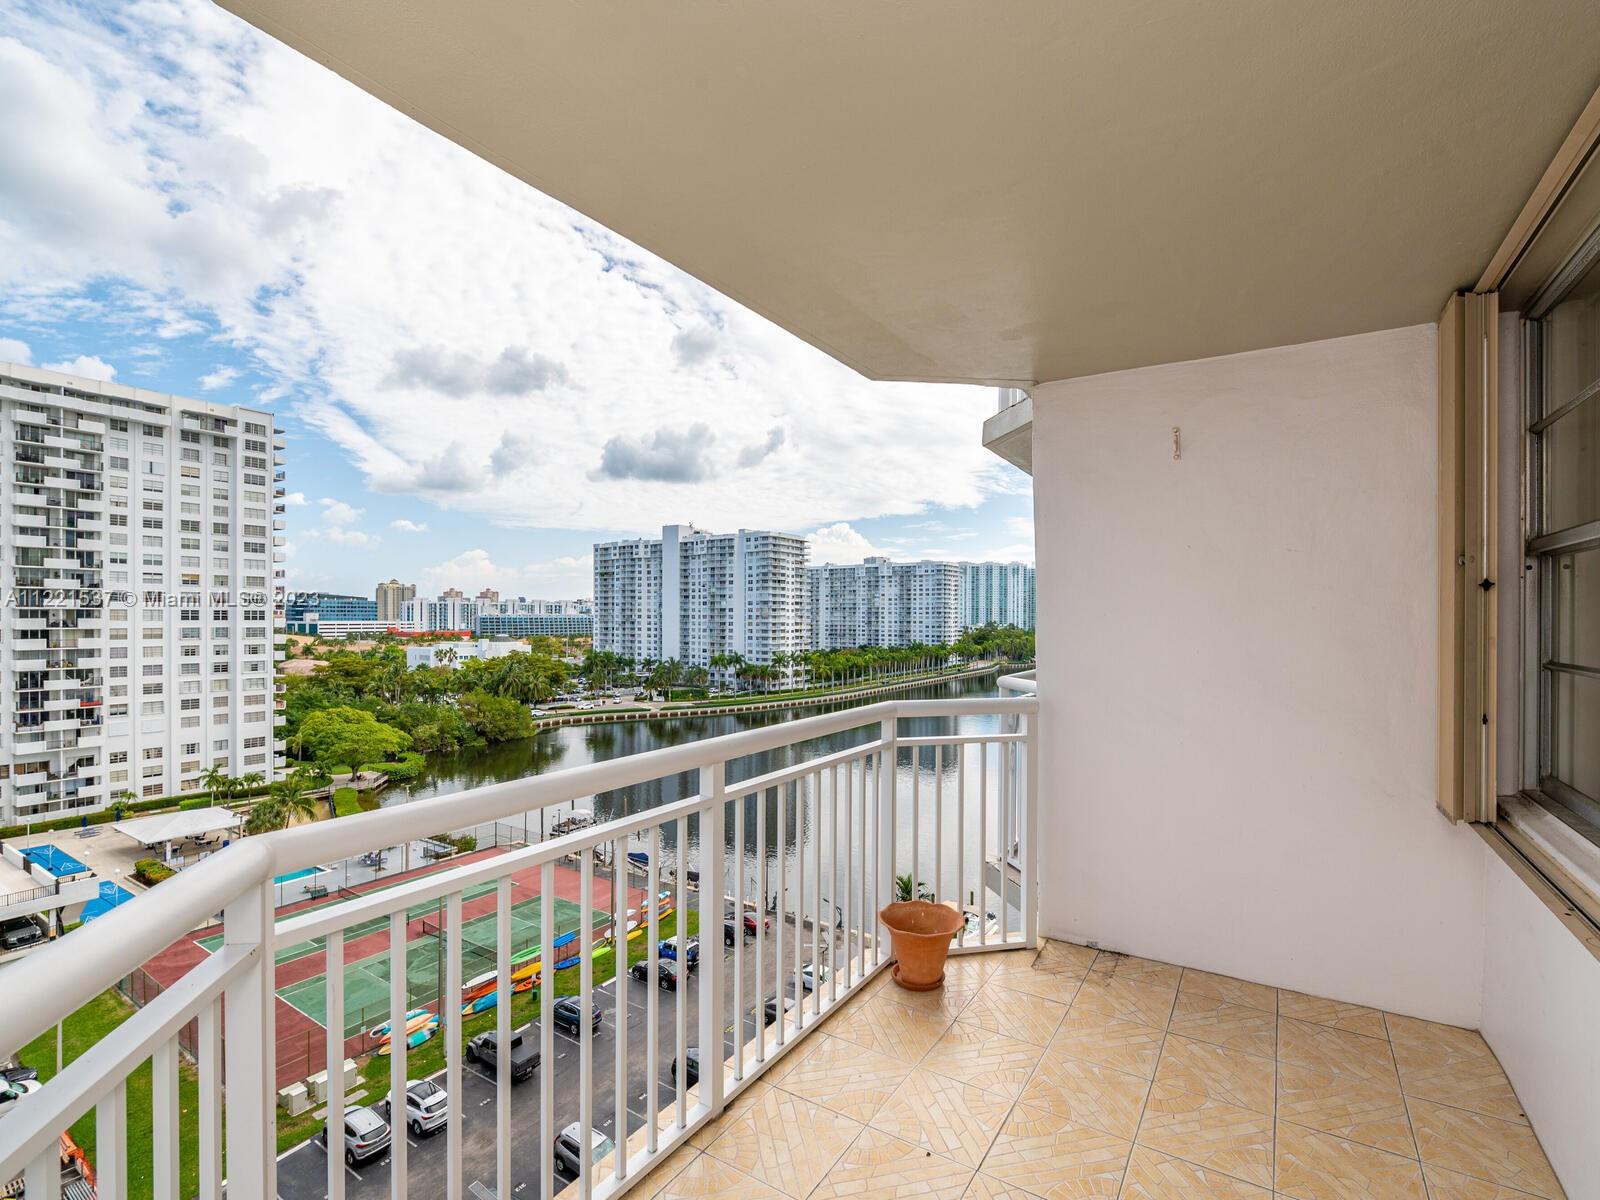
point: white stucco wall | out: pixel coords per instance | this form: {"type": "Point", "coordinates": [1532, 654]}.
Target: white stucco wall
{"type": "Point", "coordinates": [1541, 994]}
{"type": "Point", "coordinates": [1238, 679]}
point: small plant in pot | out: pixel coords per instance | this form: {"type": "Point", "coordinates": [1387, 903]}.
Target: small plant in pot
{"type": "Point", "coordinates": [921, 931]}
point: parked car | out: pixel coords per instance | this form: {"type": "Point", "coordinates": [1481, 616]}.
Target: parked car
{"type": "Point", "coordinates": [485, 1049]}
{"type": "Point", "coordinates": [750, 924]}
{"type": "Point", "coordinates": [668, 948]}
{"type": "Point", "coordinates": [750, 927]}
{"type": "Point", "coordinates": [567, 1013]}
{"type": "Point", "coordinates": [19, 1073]}
{"type": "Point", "coordinates": [569, 1147]}
{"type": "Point", "coordinates": [666, 973]}
{"type": "Point", "coordinates": [427, 1106]}
{"type": "Point", "coordinates": [19, 932]}
{"type": "Point", "coordinates": [692, 1071]}
{"type": "Point", "coordinates": [13, 1090]}
{"type": "Point", "coordinates": [770, 1009]}
{"type": "Point", "coordinates": [366, 1134]}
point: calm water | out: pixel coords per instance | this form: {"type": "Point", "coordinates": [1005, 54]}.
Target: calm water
{"type": "Point", "coordinates": [945, 792]}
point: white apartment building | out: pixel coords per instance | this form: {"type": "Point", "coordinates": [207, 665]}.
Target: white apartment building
{"type": "Point", "coordinates": [693, 595]}
{"type": "Point", "coordinates": [883, 603]}
{"type": "Point", "coordinates": [139, 534]}
{"type": "Point", "coordinates": [996, 594]}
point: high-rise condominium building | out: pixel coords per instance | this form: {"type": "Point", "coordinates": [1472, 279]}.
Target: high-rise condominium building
{"type": "Point", "coordinates": [390, 596]}
{"type": "Point", "coordinates": [693, 595]}
{"type": "Point", "coordinates": [139, 544]}
{"type": "Point", "coordinates": [883, 603]}
{"type": "Point", "coordinates": [997, 594]}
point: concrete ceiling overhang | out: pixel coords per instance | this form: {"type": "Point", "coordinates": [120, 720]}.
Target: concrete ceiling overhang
{"type": "Point", "coordinates": [1008, 192]}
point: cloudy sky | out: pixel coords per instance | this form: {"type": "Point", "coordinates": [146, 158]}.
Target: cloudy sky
{"type": "Point", "coordinates": [476, 382]}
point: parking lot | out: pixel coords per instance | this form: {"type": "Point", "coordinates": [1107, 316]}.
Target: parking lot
{"type": "Point", "coordinates": [302, 1172]}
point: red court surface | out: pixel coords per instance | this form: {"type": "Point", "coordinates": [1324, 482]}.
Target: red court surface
{"type": "Point", "coordinates": [301, 1041]}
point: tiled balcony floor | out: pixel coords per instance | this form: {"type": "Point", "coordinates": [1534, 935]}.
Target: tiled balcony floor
{"type": "Point", "coordinates": [1077, 1074]}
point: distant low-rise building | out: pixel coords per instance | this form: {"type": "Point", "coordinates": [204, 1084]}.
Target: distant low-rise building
{"type": "Point", "coordinates": [453, 654]}
{"type": "Point", "coordinates": [307, 612]}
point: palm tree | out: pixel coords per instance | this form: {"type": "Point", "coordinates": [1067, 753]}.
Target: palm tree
{"type": "Point", "coordinates": [253, 780]}
{"type": "Point", "coordinates": [290, 796]}
{"type": "Point", "coordinates": [266, 814]}
{"type": "Point", "coordinates": [215, 780]}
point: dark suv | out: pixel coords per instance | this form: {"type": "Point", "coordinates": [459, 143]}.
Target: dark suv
{"type": "Point", "coordinates": [568, 1015]}
{"type": "Point", "coordinates": [666, 973]}
{"type": "Point", "coordinates": [485, 1049]}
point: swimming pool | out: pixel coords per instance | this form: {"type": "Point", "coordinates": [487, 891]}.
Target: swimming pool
{"type": "Point", "coordinates": [54, 859]}
{"type": "Point", "coordinates": [302, 873]}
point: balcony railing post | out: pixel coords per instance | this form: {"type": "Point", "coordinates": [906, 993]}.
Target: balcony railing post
{"type": "Point", "coordinates": [712, 849]}
{"type": "Point", "coordinates": [249, 1050]}
{"type": "Point", "coordinates": [1029, 849]}
{"type": "Point", "coordinates": [887, 768]}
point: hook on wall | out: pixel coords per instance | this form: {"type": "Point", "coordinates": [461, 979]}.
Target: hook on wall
{"type": "Point", "coordinates": [1177, 443]}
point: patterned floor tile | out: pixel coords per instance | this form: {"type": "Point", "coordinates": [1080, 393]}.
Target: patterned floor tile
{"type": "Point", "coordinates": [1124, 1045]}
{"type": "Point", "coordinates": [887, 1168]}
{"type": "Point", "coordinates": [1504, 1152]}
{"type": "Point", "coordinates": [1234, 991]}
{"type": "Point", "coordinates": [1318, 1166]}
{"type": "Point", "coordinates": [1132, 1001]}
{"type": "Point", "coordinates": [1351, 1018]}
{"type": "Point", "coordinates": [1140, 970]}
{"type": "Point", "coordinates": [1013, 1013]}
{"type": "Point", "coordinates": [1153, 1176]}
{"type": "Point", "coordinates": [735, 1109]}
{"type": "Point", "coordinates": [849, 1079]}
{"type": "Point", "coordinates": [889, 1027]}
{"type": "Point", "coordinates": [1231, 1076]}
{"type": "Point", "coordinates": [1473, 1083]}
{"type": "Point", "coordinates": [1060, 986]}
{"type": "Point", "coordinates": [989, 1060]}
{"type": "Point", "coordinates": [955, 1119]}
{"type": "Point", "coordinates": [946, 1002]}
{"type": "Point", "coordinates": [1064, 956]}
{"type": "Point", "coordinates": [987, 1187]}
{"type": "Point", "coordinates": [1088, 1094]}
{"type": "Point", "coordinates": [1054, 1158]}
{"type": "Point", "coordinates": [1347, 1053]}
{"type": "Point", "coordinates": [1237, 1026]}
{"type": "Point", "coordinates": [708, 1178]}
{"type": "Point", "coordinates": [1419, 1043]}
{"type": "Point", "coordinates": [1452, 1185]}
{"type": "Point", "coordinates": [665, 1171]}
{"type": "Point", "coordinates": [974, 970]}
{"type": "Point", "coordinates": [1343, 1105]}
{"type": "Point", "coordinates": [785, 1142]}
{"type": "Point", "coordinates": [1222, 1137]}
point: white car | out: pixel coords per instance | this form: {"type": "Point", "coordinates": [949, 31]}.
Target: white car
{"type": "Point", "coordinates": [427, 1106]}
{"type": "Point", "coordinates": [13, 1090]}
{"type": "Point", "coordinates": [811, 975]}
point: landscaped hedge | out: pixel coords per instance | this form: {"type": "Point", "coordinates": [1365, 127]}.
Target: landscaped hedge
{"type": "Point", "coordinates": [117, 810]}
{"type": "Point", "coordinates": [408, 769]}
{"type": "Point", "coordinates": [150, 872]}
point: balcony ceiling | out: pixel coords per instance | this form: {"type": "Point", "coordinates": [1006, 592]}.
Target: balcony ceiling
{"type": "Point", "coordinates": [1007, 193]}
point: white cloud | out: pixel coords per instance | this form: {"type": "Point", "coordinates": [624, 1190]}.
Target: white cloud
{"type": "Point", "coordinates": [88, 366]}
{"type": "Point", "coordinates": [221, 377]}
{"type": "Point", "coordinates": [405, 526]}
{"type": "Point", "coordinates": [13, 351]}
{"type": "Point", "coordinates": [337, 512]}
{"type": "Point", "coordinates": [842, 544]}
{"type": "Point", "coordinates": [169, 155]}
{"type": "Point", "coordinates": [472, 570]}
{"type": "Point", "coordinates": [350, 537]}
{"type": "Point", "coordinates": [295, 500]}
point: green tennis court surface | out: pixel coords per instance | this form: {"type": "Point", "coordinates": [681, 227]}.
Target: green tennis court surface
{"type": "Point", "coordinates": [366, 981]}
{"type": "Point", "coordinates": [430, 910]}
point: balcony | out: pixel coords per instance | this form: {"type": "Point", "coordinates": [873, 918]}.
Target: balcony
{"type": "Point", "coordinates": [938, 790]}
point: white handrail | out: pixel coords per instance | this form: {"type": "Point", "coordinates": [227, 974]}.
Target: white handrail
{"type": "Point", "coordinates": [1023, 683]}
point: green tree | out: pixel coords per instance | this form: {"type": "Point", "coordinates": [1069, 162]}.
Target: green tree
{"type": "Point", "coordinates": [496, 718]}
{"type": "Point", "coordinates": [216, 781]}
{"type": "Point", "coordinates": [347, 737]}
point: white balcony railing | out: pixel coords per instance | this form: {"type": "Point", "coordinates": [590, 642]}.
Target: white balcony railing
{"type": "Point", "coordinates": [815, 840]}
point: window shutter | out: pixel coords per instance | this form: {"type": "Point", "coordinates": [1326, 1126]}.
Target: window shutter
{"type": "Point", "coordinates": [1468, 435]}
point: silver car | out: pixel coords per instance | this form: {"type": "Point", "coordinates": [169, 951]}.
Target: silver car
{"type": "Point", "coordinates": [427, 1106]}
{"type": "Point", "coordinates": [366, 1134]}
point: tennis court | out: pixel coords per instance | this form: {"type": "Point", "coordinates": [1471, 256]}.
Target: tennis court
{"type": "Point", "coordinates": [366, 981]}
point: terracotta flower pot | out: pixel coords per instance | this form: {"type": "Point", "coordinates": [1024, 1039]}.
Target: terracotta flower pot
{"type": "Point", "coordinates": [921, 933]}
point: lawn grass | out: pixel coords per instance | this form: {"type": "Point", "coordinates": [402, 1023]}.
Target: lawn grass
{"type": "Point", "coordinates": [427, 1058]}
{"type": "Point", "coordinates": [82, 1030]}
{"type": "Point", "coordinates": [346, 802]}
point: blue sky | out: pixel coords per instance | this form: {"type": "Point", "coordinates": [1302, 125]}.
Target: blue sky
{"type": "Point", "coordinates": [476, 383]}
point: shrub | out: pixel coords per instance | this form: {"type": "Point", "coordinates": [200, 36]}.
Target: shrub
{"type": "Point", "coordinates": [196, 802]}
{"type": "Point", "coordinates": [150, 872]}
